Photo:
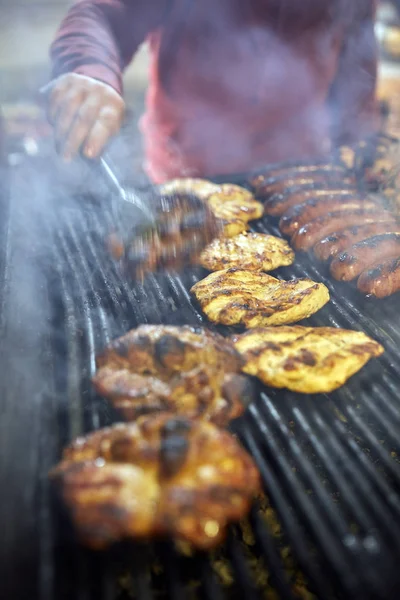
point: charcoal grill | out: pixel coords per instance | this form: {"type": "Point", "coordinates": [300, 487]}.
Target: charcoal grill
{"type": "Point", "coordinates": [329, 463]}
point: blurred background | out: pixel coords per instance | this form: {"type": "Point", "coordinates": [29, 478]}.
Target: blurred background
{"type": "Point", "coordinates": [28, 26]}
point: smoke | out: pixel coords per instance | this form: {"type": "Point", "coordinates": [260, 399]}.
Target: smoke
{"type": "Point", "coordinates": [247, 88]}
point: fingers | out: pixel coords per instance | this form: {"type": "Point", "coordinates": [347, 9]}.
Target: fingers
{"type": "Point", "coordinates": [85, 113]}
{"type": "Point", "coordinates": [108, 123]}
{"type": "Point", "coordinates": [75, 124]}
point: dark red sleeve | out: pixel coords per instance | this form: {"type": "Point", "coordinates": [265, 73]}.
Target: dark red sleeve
{"type": "Point", "coordinates": [98, 38]}
{"type": "Point", "coordinates": [353, 95]}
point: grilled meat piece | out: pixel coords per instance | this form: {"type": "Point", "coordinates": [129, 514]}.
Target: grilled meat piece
{"type": "Point", "coordinates": [237, 297]}
{"type": "Point", "coordinates": [382, 280]}
{"type": "Point", "coordinates": [161, 476]}
{"type": "Point", "coordinates": [190, 185]}
{"type": "Point", "coordinates": [314, 231]}
{"type": "Point", "coordinates": [348, 265]}
{"type": "Point", "coordinates": [335, 243]}
{"type": "Point", "coordinates": [155, 368]}
{"type": "Point", "coordinates": [276, 185]}
{"type": "Point", "coordinates": [305, 359]}
{"type": "Point", "coordinates": [235, 207]}
{"type": "Point", "coordinates": [301, 214]}
{"type": "Point", "coordinates": [278, 204]}
{"type": "Point", "coordinates": [231, 204]}
{"type": "Point", "coordinates": [294, 169]}
{"type": "Point", "coordinates": [253, 251]}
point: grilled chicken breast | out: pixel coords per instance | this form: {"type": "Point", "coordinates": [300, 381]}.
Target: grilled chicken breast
{"type": "Point", "coordinates": [233, 205]}
{"type": "Point", "coordinates": [237, 297]}
{"type": "Point", "coordinates": [192, 372]}
{"type": "Point", "coordinates": [190, 185]}
{"type": "Point", "coordinates": [162, 475]}
{"type": "Point", "coordinates": [305, 359]}
{"type": "Point", "coordinates": [252, 251]}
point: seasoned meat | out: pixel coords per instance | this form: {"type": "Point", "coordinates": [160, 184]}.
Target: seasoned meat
{"type": "Point", "coordinates": [349, 264]}
{"type": "Point", "coordinates": [382, 280]}
{"type": "Point", "coordinates": [201, 187]}
{"type": "Point", "coordinates": [231, 204]}
{"type": "Point", "coordinates": [305, 359]}
{"type": "Point", "coordinates": [184, 228]}
{"type": "Point", "coordinates": [154, 368]}
{"type": "Point", "coordinates": [237, 297]}
{"type": "Point", "coordinates": [301, 214]}
{"type": "Point", "coordinates": [293, 170]}
{"type": "Point", "coordinates": [235, 206]}
{"type": "Point", "coordinates": [276, 185]}
{"type": "Point", "coordinates": [310, 234]}
{"type": "Point", "coordinates": [278, 204]}
{"type": "Point", "coordinates": [161, 476]}
{"type": "Point", "coordinates": [253, 251]}
{"type": "Point", "coordinates": [335, 243]}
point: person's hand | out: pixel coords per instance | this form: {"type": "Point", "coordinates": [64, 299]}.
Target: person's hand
{"type": "Point", "coordinates": [85, 114]}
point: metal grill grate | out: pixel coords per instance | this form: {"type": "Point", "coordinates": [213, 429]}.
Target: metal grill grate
{"type": "Point", "coordinates": [329, 463]}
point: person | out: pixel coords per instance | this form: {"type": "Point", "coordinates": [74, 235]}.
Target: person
{"type": "Point", "coordinates": [233, 85]}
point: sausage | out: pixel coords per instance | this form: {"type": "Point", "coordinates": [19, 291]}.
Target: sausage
{"type": "Point", "coordinates": [382, 280]}
{"type": "Point", "coordinates": [276, 185]}
{"type": "Point", "coordinates": [314, 231]}
{"type": "Point", "coordinates": [278, 204]}
{"type": "Point", "coordinates": [301, 214]}
{"type": "Point", "coordinates": [348, 265]}
{"type": "Point", "coordinates": [293, 169]}
{"type": "Point", "coordinates": [340, 240]}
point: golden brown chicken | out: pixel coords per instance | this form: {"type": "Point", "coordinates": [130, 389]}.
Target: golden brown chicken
{"type": "Point", "coordinates": [252, 251]}
{"type": "Point", "coordinates": [305, 359]}
{"type": "Point", "coordinates": [237, 297]}
{"type": "Point", "coordinates": [233, 205]}
{"type": "Point", "coordinates": [190, 371]}
{"type": "Point", "coordinates": [161, 476]}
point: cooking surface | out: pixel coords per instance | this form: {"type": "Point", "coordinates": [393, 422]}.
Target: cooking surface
{"type": "Point", "coordinates": [329, 463]}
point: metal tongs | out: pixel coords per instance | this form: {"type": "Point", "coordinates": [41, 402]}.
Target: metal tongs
{"type": "Point", "coordinates": [155, 231]}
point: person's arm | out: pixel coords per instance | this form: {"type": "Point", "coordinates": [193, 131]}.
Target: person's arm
{"type": "Point", "coordinates": [353, 102]}
{"type": "Point", "coordinates": [95, 42]}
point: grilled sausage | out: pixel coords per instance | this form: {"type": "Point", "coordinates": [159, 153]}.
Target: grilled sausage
{"type": "Point", "coordinates": [314, 231]}
{"type": "Point", "coordinates": [292, 169]}
{"type": "Point", "coordinates": [276, 185]}
{"type": "Point", "coordinates": [347, 265]}
{"type": "Point", "coordinates": [340, 240]}
{"type": "Point", "coordinates": [278, 204]}
{"type": "Point", "coordinates": [301, 214]}
{"type": "Point", "coordinates": [382, 280]}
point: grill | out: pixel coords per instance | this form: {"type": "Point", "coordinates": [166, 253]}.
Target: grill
{"type": "Point", "coordinates": [329, 463]}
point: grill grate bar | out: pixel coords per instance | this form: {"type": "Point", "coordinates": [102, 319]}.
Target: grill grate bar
{"type": "Point", "coordinates": [325, 526]}
{"type": "Point", "coordinates": [242, 572]}
{"type": "Point", "coordinates": [277, 575]}
{"type": "Point", "coordinates": [210, 588]}
{"type": "Point", "coordinates": [277, 496]}
{"type": "Point", "coordinates": [290, 465]}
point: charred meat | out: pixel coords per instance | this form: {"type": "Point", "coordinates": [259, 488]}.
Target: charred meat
{"type": "Point", "coordinates": [192, 372]}
{"type": "Point", "coordinates": [335, 243]}
{"type": "Point", "coordinates": [252, 251]}
{"type": "Point", "coordinates": [309, 360]}
{"type": "Point", "coordinates": [267, 187]}
{"type": "Point", "coordinates": [363, 255]}
{"type": "Point", "coordinates": [310, 234]}
{"type": "Point", "coordinates": [232, 205]}
{"type": "Point", "coordinates": [382, 280]}
{"type": "Point", "coordinates": [302, 214]}
{"type": "Point", "coordinates": [279, 204]}
{"type": "Point", "coordinates": [238, 297]}
{"type": "Point", "coordinates": [161, 476]}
